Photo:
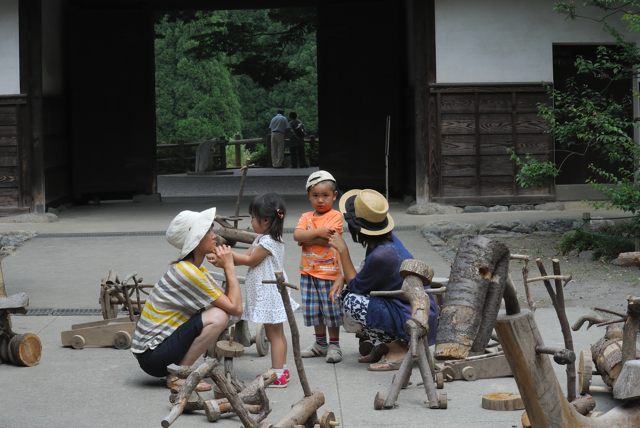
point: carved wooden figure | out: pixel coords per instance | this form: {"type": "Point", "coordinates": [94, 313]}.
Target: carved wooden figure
{"type": "Point", "coordinates": [415, 274]}
{"type": "Point", "coordinates": [18, 349]}
{"type": "Point", "coordinates": [539, 388]}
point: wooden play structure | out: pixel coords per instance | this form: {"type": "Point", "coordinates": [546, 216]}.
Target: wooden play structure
{"type": "Point", "coordinates": [614, 356]}
{"type": "Point", "coordinates": [18, 349]}
{"type": "Point", "coordinates": [242, 400]}
{"type": "Point", "coordinates": [415, 274]}
{"type": "Point", "coordinates": [112, 330]}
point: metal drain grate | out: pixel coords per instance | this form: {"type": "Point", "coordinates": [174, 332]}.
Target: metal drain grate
{"type": "Point", "coordinates": [64, 311]}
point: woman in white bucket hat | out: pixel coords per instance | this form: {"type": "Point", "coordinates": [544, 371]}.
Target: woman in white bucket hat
{"type": "Point", "coordinates": [186, 311]}
{"type": "Point", "coordinates": [381, 319]}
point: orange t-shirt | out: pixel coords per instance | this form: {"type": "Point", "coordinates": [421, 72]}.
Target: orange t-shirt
{"type": "Point", "coordinates": [317, 260]}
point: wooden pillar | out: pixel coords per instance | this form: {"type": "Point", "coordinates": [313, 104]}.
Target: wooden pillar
{"type": "Point", "coordinates": [420, 20]}
{"type": "Point", "coordinates": [31, 84]}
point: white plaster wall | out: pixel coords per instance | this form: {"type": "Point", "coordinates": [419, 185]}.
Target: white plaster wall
{"type": "Point", "coordinates": [9, 48]}
{"type": "Point", "coordinates": [51, 47]}
{"type": "Point", "coordinates": [503, 40]}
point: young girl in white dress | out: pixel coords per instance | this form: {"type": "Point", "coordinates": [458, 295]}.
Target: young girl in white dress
{"type": "Point", "coordinates": [263, 303]}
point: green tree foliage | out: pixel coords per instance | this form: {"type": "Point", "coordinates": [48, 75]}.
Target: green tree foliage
{"type": "Point", "coordinates": [588, 117]}
{"type": "Point", "coordinates": [272, 55]}
{"type": "Point", "coordinates": [195, 99]}
{"type": "Point", "coordinates": [259, 60]}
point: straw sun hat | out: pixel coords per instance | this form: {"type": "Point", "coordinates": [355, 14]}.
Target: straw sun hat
{"type": "Point", "coordinates": [367, 210]}
{"type": "Point", "coordinates": [188, 228]}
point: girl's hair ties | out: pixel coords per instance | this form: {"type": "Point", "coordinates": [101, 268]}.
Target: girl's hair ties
{"type": "Point", "coordinates": [280, 213]}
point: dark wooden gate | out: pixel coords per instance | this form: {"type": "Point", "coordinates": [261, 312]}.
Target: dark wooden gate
{"type": "Point", "coordinates": [473, 130]}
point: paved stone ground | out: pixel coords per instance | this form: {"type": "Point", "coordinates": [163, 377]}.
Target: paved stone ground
{"type": "Point", "coordinates": [103, 387]}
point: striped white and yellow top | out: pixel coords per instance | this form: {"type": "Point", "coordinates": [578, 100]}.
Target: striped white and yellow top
{"type": "Point", "coordinates": [181, 293]}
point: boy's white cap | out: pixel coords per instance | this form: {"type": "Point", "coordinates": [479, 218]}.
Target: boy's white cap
{"type": "Point", "coordinates": [188, 228]}
{"type": "Point", "coordinates": [319, 176]}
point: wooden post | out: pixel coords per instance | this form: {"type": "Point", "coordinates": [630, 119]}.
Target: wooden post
{"type": "Point", "coordinates": [238, 152]}
{"type": "Point", "coordinates": [295, 335]}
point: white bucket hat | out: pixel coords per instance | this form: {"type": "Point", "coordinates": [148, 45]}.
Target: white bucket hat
{"type": "Point", "coordinates": [188, 228]}
{"type": "Point", "coordinates": [367, 211]}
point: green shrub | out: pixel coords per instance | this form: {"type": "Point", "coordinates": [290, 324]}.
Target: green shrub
{"type": "Point", "coordinates": [606, 243]}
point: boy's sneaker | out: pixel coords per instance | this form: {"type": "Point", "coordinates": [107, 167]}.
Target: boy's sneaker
{"type": "Point", "coordinates": [281, 382]}
{"type": "Point", "coordinates": [334, 354]}
{"type": "Point", "coordinates": [314, 350]}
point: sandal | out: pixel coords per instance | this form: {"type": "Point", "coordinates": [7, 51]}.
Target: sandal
{"type": "Point", "coordinates": [375, 354]}
{"type": "Point", "coordinates": [385, 366]}
{"type": "Point", "coordinates": [174, 383]}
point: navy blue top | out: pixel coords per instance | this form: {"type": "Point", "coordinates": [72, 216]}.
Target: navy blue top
{"type": "Point", "coordinates": [381, 272]}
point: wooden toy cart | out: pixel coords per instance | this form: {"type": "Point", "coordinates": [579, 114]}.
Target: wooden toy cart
{"type": "Point", "coordinates": [111, 331]}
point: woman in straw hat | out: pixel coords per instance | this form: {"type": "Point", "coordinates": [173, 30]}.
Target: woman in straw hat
{"type": "Point", "coordinates": [382, 319]}
{"type": "Point", "coordinates": [186, 311]}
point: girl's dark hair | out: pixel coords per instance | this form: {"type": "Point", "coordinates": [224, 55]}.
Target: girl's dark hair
{"type": "Point", "coordinates": [270, 206]}
{"type": "Point", "coordinates": [368, 240]}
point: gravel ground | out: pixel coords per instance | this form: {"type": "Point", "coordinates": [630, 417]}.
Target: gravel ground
{"type": "Point", "coordinates": [594, 283]}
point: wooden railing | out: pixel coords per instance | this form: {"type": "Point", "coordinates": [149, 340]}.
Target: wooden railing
{"type": "Point", "coordinates": [183, 154]}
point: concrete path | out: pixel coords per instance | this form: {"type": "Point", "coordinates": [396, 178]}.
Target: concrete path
{"type": "Point", "coordinates": [104, 387]}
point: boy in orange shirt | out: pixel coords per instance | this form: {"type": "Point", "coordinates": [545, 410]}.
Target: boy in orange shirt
{"type": "Point", "coordinates": [320, 266]}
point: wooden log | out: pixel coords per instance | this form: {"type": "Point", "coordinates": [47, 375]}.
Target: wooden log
{"type": "Point", "coordinates": [236, 235]}
{"type": "Point", "coordinates": [469, 308]}
{"type": "Point", "coordinates": [607, 354]}
{"type": "Point", "coordinates": [301, 411]}
{"type": "Point", "coordinates": [195, 376]}
{"type": "Point", "coordinates": [627, 259]}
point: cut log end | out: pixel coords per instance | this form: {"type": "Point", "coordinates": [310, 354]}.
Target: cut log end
{"type": "Point", "coordinates": [503, 401]}
{"type": "Point", "coordinates": [451, 351]}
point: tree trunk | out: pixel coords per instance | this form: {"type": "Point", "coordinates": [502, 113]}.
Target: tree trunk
{"type": "Point", "coordinates": [474, 293]}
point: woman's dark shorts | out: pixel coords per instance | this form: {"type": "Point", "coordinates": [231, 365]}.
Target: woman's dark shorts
{"type": "Point", "coordinates": [172, 350]}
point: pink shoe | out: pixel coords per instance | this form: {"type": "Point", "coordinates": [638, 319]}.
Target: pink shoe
{"type": "Point", "coordinates": [287, 374]}
{"type": "Point", "coordinates": [281, 382]}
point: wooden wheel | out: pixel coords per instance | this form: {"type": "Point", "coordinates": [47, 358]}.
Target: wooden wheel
{"type": "Point", "coordinates": [442, 400]}
{"type": "Point", "coordinates": [585, 370]}
{"type": "Point", "coordinates": [77, 342]}
{"type": "Point", "coordinates": [122, 340]}
{"type": "Point", "coordinates": [328, 420]}
{"type": "Point", "coordinates": [469, 373]}
{"type": "Point", "coordinates": [25, 349]}
{"type": "Point", "coordinates": [439, 380]}
{"type": "Point", "coordinates": [262, 343]}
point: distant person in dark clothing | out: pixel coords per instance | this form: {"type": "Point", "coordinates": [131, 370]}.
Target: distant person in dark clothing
{"type": "Point", "coordinates": [279, 126]}
{"type": "Point", "coordinates": [296, 135]}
